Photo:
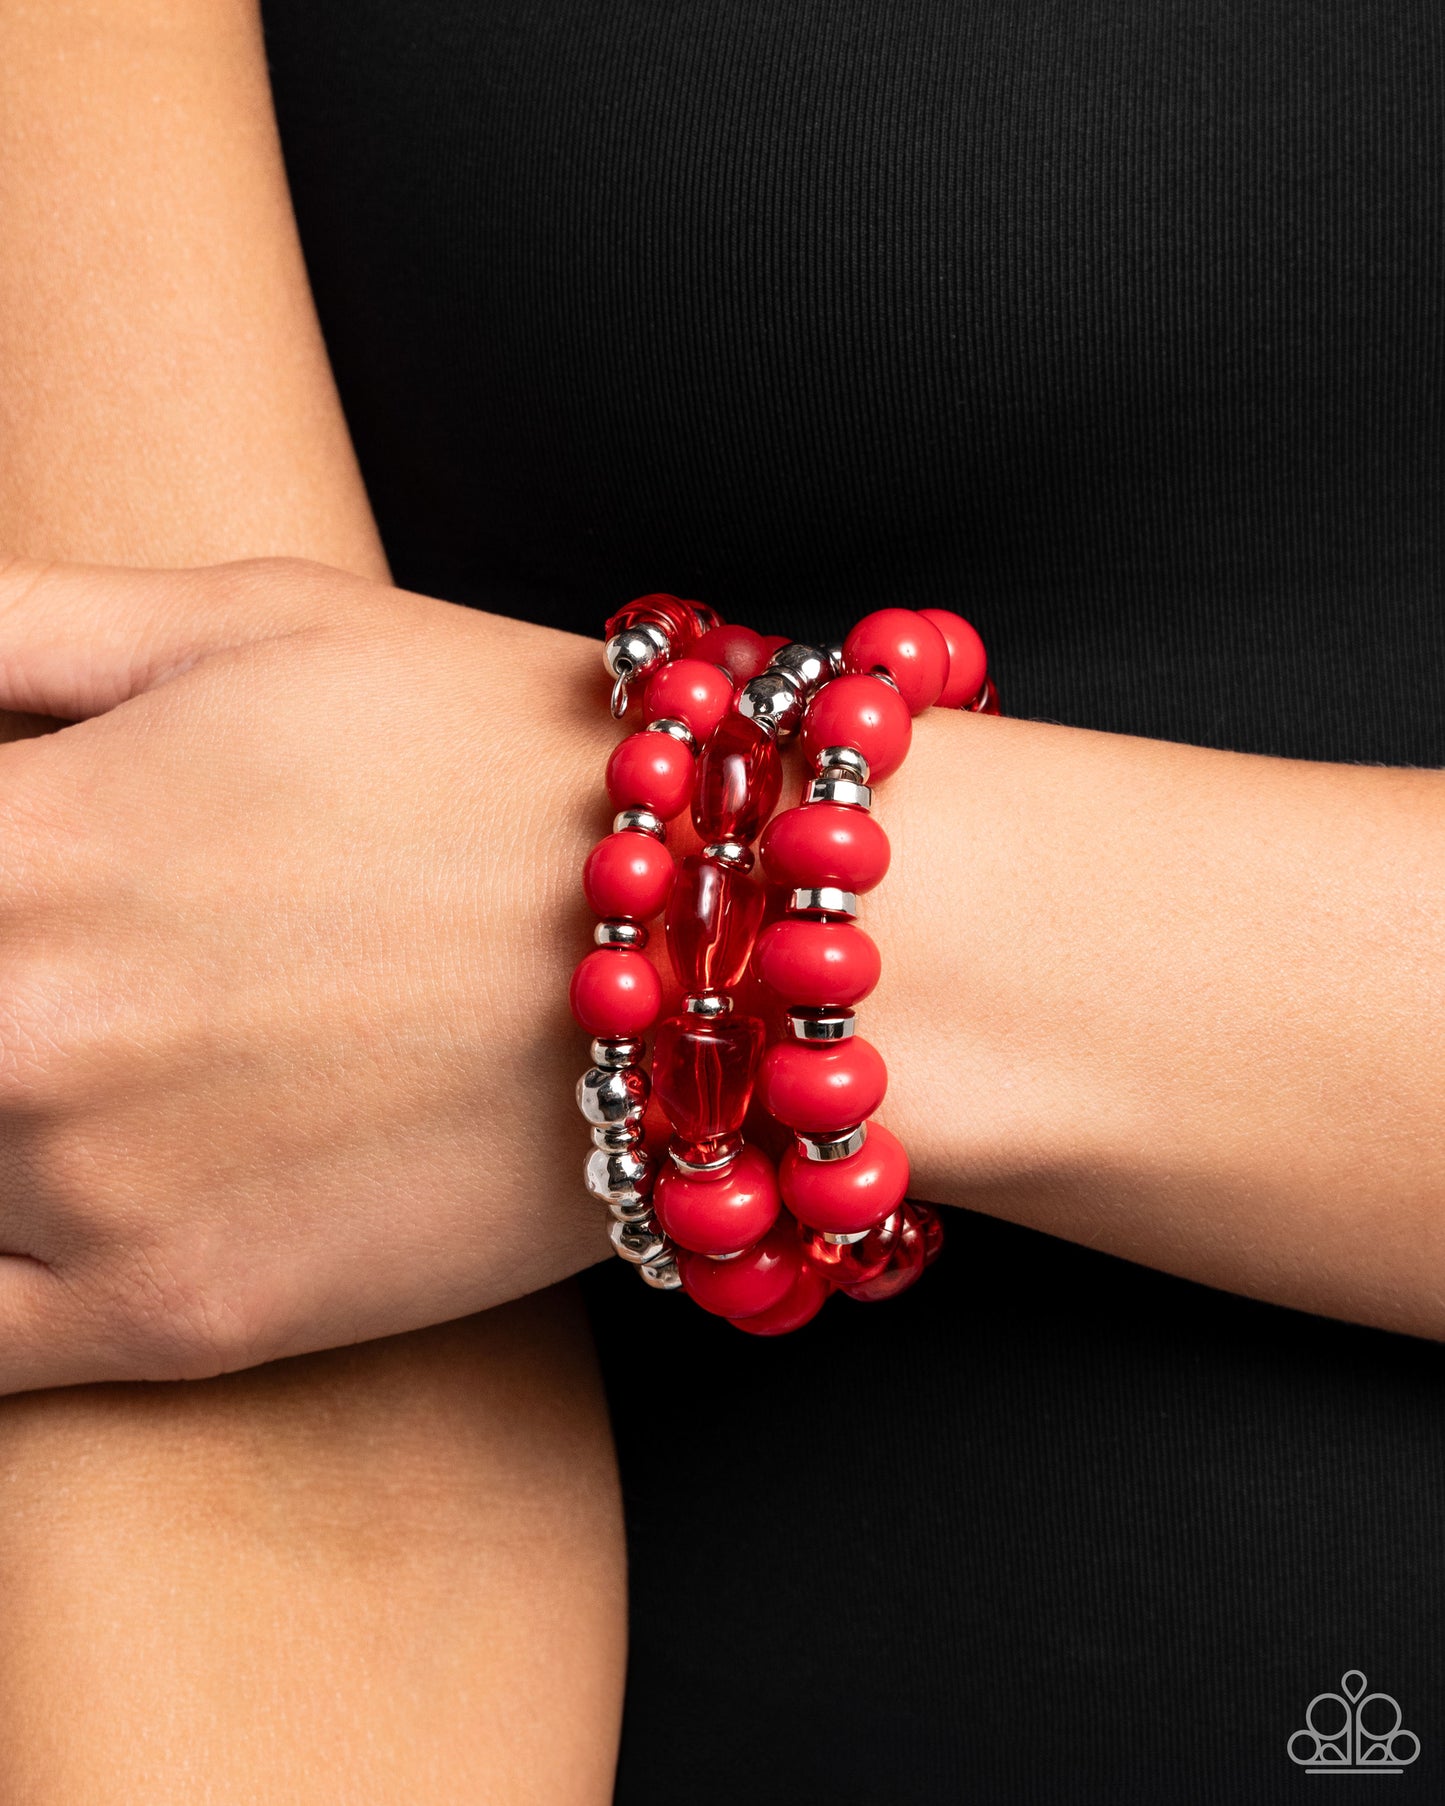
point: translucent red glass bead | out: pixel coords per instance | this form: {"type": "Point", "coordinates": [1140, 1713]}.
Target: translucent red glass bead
{"type": "Point", "coordinates": [711, 923]}
{"type": "Point", "coordinates": [703, 1073]}
{"type": "Point", "coordinates": [739, 780]}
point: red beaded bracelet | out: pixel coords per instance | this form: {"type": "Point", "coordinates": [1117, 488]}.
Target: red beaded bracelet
{"type": "Point", "coordinates": [763, 1246]}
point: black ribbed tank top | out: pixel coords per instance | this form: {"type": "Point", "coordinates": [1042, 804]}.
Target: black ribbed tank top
{"type": "Point", "coordinates": [1120, 326]}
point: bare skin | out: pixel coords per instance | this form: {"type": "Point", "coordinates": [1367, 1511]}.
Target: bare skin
{"type": "Point", "coordinates": [385, 1575]}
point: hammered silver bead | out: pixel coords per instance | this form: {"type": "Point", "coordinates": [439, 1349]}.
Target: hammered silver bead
{"type": "Point", "coordinates": [674, 729]}
{"type": "Point", "coordinates": [618, 1178]}
{"type": "Point", "coordinates": [613, 1094]}
{"type": "Point", "coordinates": [737, 855]}
{"type": "Point", "coordinates": [832, 1147]}
{"type": "Point", "coordinates": [808, 666]}
{"type": "Point", "coordinates": [616, 1137]}
{"type": "Point", "coordinates": [825, 900]}
{"type": "Point", "coordinates": [838, 790]}
{"type": "Point", "coordinates": [639, 821]}
{"type": "Point", "coordinates": [662, 1275]}
{"type": "Point", "coordinates": [842, 762]}
{"type": "Point", "coordinates": [774, 700]}
{"type": "Point", "coordinates": [639, 1242]}
{"type": "Point", "coordinates": [834, 651]}
{"type": "Point", "coordinates": [635, 1212]}
{"type": "Point", "coordinates": [815, 1026]}
{"type": "Point", "coordinates": [617, 1051]}
{"type": "Point", "coordinates": [620, 934]}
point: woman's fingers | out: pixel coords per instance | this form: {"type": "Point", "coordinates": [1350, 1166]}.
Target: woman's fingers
{"type": "Point", "coordinates": [77, 640]}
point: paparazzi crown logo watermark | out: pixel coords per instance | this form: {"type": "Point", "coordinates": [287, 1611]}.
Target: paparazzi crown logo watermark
{"type": "Point", "coordinates": [1353, 1733]}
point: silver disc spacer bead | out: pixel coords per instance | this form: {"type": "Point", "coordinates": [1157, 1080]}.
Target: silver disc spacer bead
{"type": "Point", "coordinates": [708, 1004]}
{"type": "Point", "coordinates": [616, 1137]}
{"type": "Point", "coordinates": [639, 1242]}
{"type": "Point", "coordinates": [662, 1275]}
{"type": "Point", "coordinates": [639, 821]}
{"type": "Point", "coordinates": [842, 762]}
{"type": "Point", "coordinates": [808, 666]}
{"type": "Point", "coordinates": [618, 1178]}
{"type": "Point", "coordinates": [832, 1147]}
{"type": "Point", "coordinates": [838, 790]}
{"type": "Point", "coordinates": [621, 1050]}
{"type": "Point", "coordinates": [826, 900]}
{"type": "Point", "coordinates": [845, 1241]}
{"type": "Point", "coordinates": [613, 1094]}
{"type": "Point", "coordinates": [737, 855]}
{"type": "Point", "coordinates": [774, 699]}
{"type": "Point", "coordinates": [620, 934]}
{"type": "Point", "coordinates": [821, 1025]}
{"type": "Point", "coordinates": [674, 729]}
{"type": "Point", "coordinates": [704, 1168]}
{"type": "Point", "coordinates": [886, 676]}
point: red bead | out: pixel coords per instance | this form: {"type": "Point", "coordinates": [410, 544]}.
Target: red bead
{"type": "Point", "coordinates": [722, 1215]}
{"type": "Point", "coordinates": [775, 642]}
{"type": "Point", "coordinates": [752, 1282]}
{"type": "Point", "coordinates": [615, 991]}
{"type": "Point", "coordinates": [824, 843]}
{"type": "Point", "coordinates": [967, 660]}
{"type": "Point", "coordinates": [910, 649]}
{"type": "Point", "coordinates": [863, 712]}
{"type": "Point", "coordinates": [907, 1257]}
{"type": "Point", "coordinates": [651, 771]}
{"type": "Point", "coordinates": [692, 691]}
{"type": "Point", "coordinates": [739, 778]}
{"type": "Point", "coordinates": [844, 1196]}
{"type": "Point", "coordinates": [737, 649]}
{"type": "Point", "coordinates": [711, 923]}
{"type": "Point", "coordinates": [807, 1297]}
{"type": "Point", "coordinates": [845, 1264]}
{"type": "Point", "coordinates": [628, 875]}
{"type": "Point", "coordinates": [703, 1072]}
{"type": "Point", "coordinates": [931, 1229]}
{"type": "Point", "coordinates": [681, 621]}
{"type": "Point", "coordinates": [814, 964]}
{"type": "Point", "coordinates": [822, 1090]}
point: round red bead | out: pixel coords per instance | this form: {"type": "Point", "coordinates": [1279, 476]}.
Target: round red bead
{"type": "Point", "coordinates": [967, 660]}
{"type": "Point", "coordinates": [911, 650]}
{"type": "Point", "coordinates": [808, 1296]}
{"type": "Point", "coordinates": [862, 712]}
{"type": "Point", "coordinates": [628, 875]}
{"type": "Point", "coordinates": [844, 1196]}
{"type": "Point", "coordinates": [689, 690]}
{"type": "Point", "coordinates": [615, 991]}
{"type": "Point", "coordinates": [651, 771]}
{"type": "Point", "coordinates": [719, 1215]}
{"type": "Point", "coordinates": [741, 652]}
{"type": "Point", "coordinates": [822, 844]}
{"type": "Point", "coordinates": [822, 1090]}
{"type": "Point", "coordinates": [775, 642]}
{"type": "Point", "coordinates": [814, 964]}
{"type": "Point", "coordinates": [753, 1282]}
{"type": "Point", "coordinates": [907, 1257]}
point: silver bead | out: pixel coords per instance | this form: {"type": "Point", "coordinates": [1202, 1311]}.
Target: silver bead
{"type": "Point", "coordinates": [674, 729]}
{"type": "Point", "coordinates": [708, 1004]}
{"type": "Point", "coordinates": [639, 1242]}
{"type": "Point", "coordinates": [620, 934]}
{"type": "Point", "coordinates": [662, 1275]}
{"type": "Point", "coordinates": [842, 762]}
{"type": "Point", "coordinates": [737, 855]}
{"type": "Point", "coordinates": [619, 1050]}
{"type": "Point", "coordinates": [702, 1169]}
{"type": "Point", "coordinates": [821, 1025]}
{"type": "Point", "coordinates": [639, 821]}
{"type": "Point", "coordinates": [808, 666]}
{"type": "Point", "coordinates": [634, 1212]}
{"type": "Point", "coordinates": [774, 700]}
{"type": "Point", "coordinates": [832, 1147]}
{"type": "Point", "coordinates": [835, 657]}
{"type": "Point", "coordinates": [838, 790]}
{"type": "Point", "coordinates": [616, 1137]}
{"type": "Point", "coordinates": [826, 900]}
{"type": "Point", "coordinates": [845, 1241]}
{"type": "Point", "coordinates": [618, 1178]}
{"type": "Point", "coordinates": [636, 652]}
{"type": "Point", "coordinates": [886, 676]}
{"type": "Point", "coordinates": [613, 1094]}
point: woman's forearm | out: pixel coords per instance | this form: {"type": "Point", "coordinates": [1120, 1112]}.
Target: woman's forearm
{"type": "Point", "coordinates": [1178, 1004]}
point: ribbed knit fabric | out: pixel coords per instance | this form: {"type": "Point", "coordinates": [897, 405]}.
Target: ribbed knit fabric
{"type": "Point", "coordinates": [1120, 325]}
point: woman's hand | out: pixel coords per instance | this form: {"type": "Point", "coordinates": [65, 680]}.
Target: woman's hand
{"type": "Point", "coordinates": [286, 920]}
